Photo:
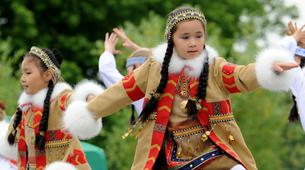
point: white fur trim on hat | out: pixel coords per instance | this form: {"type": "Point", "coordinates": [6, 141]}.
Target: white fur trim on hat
{"type": "Point", "coordinates": [267, 77]}
{"type": "Point", "coordinates": [6, 150]}
{"type": "Point", "coordinates": [79, 121]}
{"type": "Point", "coordinates": [60, 165]}
{"type": "Point", "coordinates": [85, 88]}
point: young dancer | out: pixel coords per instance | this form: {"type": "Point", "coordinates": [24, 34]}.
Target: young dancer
{"type": "Point", "coordinates": [187, 121]}
{"type": "Point", "coordinates": [36, 131]}
{"type": "Point", "coordinates": [108, 72]}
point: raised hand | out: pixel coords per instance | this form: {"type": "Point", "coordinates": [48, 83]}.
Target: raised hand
{"type": "Point", "coordinates": [298, 34]}
{"type": "Point", "coordinates": [110, 43]}
{"type": "Point", "coordinates": [127, 43]}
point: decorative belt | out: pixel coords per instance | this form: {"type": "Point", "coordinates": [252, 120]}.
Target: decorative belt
{"type": "Point", "coordinates": [202, 159]}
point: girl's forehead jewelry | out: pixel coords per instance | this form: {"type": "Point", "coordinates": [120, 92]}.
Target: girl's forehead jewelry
{"type": "Point", "coordinates": [56, 74]}
{"type": "Point", "coordinates": [186, 14]}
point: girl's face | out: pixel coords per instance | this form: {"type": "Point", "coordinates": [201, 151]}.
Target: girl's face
{"type": "Point", "coordinates": [131, 68]}
{"type": "Point", "coordinates": [189, 38]}
{"type": "Point", "coordinates": [33, 77]}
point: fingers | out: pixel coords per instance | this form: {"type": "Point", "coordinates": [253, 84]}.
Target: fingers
{"type": "Point", "coordinates": [295, 26]}
{"type": "Point", "coordinates": [277, 68]}
{"type": "Point", "coordinates": [292, 28]}
{"type": "Point", "coordinates": [287, 66]}
{"type": "Point", "coordinates": [106, 36]}
{"type": "Point", "coordinates": [110, 42]}
{"type": "Point", "coordinates": [120, 33]}
{"type": "Point", "coordinates": [113, 37]}
{"type": "Point", "coordinates": [301, 29]}
{"type": "Point", "coordinates": [281, 67]}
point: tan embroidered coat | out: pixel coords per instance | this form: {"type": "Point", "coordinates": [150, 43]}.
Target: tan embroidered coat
{"type": "Point", "coordinates": [224, 79]}
{"type": "Point", "coordinates": [60, 145]}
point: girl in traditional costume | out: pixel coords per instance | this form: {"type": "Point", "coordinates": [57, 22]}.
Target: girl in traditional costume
{"type": "Point", "coordinates": [187, 121]}
{"type": "Point", "coordinates": [36, 136]}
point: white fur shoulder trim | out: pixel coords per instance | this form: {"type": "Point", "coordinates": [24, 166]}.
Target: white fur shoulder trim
{"type": "Point", "coordinates": [38, 98]}
{"type": "Point", "coordinates": [158, 52]}
{"type": "Point", "coordinates": [193, 66]}
{"type": "Point", "coordinates": [266, 77]}
{"type": "Point", "coordinates": [6, 150]}
{"type": "Point", "coordinates": [60, 87]}
{"type": "Point", "coordinates": [84, 88]}
{"type": "Point", "coordinates": [79, 121]}
{"type": "Point", "coordinates": [60, 165]}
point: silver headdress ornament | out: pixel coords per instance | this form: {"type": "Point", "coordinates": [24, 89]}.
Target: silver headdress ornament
{"type": "Point", "coordinates": [184, 14]}
{"type": "Point", "coordinates": [56, 74]}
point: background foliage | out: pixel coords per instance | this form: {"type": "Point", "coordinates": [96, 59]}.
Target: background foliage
{"type": "Point", "coordinates": [77, 29]}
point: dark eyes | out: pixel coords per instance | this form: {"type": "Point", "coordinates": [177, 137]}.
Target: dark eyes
{"type": "Point", "coordinates": [184, 37]}
{"type": "Point", "coordinates": [187, 37]}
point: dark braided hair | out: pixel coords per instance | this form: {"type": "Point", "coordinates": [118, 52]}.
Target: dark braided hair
{"type": "Point", "coordinates": [294, 113]}
{"type": "Point", "coordinates": [132, 120]}
{"type": "Point", "coordinates": [192, 109]}
{"type": "Point", "coordinates": [11, 137]}
{"type": "Point", "coordinates": [153, 102]}
{"type": "Point", "coordinates": [43, 126]}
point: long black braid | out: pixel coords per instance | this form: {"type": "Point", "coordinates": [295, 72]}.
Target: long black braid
{"type": "Point", "coordinates": [43, 126]}
{"type": "Point", "coordinates": [192, 109]}
{"type": "Point", "coordinates": [153, 102]}
{"type": "Point", "coordinates": [294, 116]}
{"type": "Point", "coordinates": [17, 120]}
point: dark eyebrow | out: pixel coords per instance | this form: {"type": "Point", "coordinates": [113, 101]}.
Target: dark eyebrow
{"type": "Point", "coordinates": [25, 69]}
{"type": "Point", "coordinates": [185, 34]}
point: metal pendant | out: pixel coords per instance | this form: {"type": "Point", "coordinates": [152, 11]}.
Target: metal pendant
{"type": "Point", "coordinates": [231, 138]}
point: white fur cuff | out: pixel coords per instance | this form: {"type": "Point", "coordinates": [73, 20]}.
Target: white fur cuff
{"type": "Point", "coordinates": [266, 76]}
{"type": "Point", "coordinates": [84, 88]}
{"type": "Point", "coordinates": [80, 122]}
{"type": "Point", "coordinates": [6, 150]}
{"type": "Point", "coordinates": [60, 165]}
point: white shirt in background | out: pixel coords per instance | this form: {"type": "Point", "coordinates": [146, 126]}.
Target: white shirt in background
{"type": "Point", "coordinates": [110, 75]}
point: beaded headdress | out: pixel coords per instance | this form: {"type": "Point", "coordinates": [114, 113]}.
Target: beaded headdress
{"type": "Point", "coordinates": [56, 74]}
{"type": "Point", "coordinates": [181, 14]}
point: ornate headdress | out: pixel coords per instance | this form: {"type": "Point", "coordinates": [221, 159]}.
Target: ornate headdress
{"type": "Point", "coordinates": [56, 74]}
{"type": "Point", "coordinates": [181, 14]}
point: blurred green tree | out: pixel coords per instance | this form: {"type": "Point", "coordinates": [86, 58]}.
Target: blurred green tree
{"type": "Point", "coordinates": [75, 26]}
